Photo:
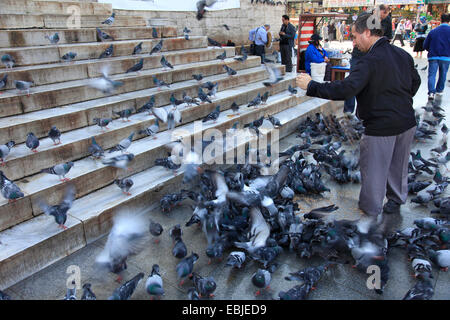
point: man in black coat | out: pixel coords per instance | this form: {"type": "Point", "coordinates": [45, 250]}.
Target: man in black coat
{"type": "Point", "coordinates": [287, 35]}
{"type": "Point", "coordinates": [384, 81]}
{"type": "Point", "coordinates": [386, 21]}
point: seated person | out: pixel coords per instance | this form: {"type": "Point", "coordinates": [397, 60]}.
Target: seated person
{"type": "Point", "coordinates": [315, 53]}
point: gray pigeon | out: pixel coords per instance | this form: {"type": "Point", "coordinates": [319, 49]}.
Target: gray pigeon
{"type": "Point", "coordinates": [59, 211]}
{"type": "Point", "coordinates": [55, 135]}
{"type": "Point", "coordinates": [88, 294]}
{"type": "Point", "coordinates": [185, 267]}
{"type": "Point", "coordinates": [274, 75]}
{"type": "Point", "coordinates": [156, 230]}
{"type": "Point", "coordinates": [124, 114]}
{"type": "Point", "coordinates": [3, 81]}
{"type": "Point", "coordinates": [8, 61]}
{"type": "Point", "coordinates": [124, 185]}
{"type": "Point", "coordinates": [154, 33]}
{"type": "Point", "coordinates": [264, 97]}
{"type": "Point", "coordinates": [197, 77]}
{"type": "Point", "coordinates": [255, 102]}
{"type": "Point", "coordinates": [105, 84]}
{"type": "Point", "coordinates": [125, 291]}
{"type": "Point", "coordinates": [9, 189]}
{"type": "Point", "coordinates": [292, 90]}
{"type": "Point", "coordinates": [69, 56]}
{"type": "Point", "coordinates": [4, 296]}
{"type": "Point", "coordinates": [138, 48]}
{"type": "Point", "coordinates": [222, 56]}
{"type": "Point", "coordinates": [32, 142]}
{"type": "Point", "coordinates": [120, 162]}
{"type": "Point", "coordinates": [229, 70]}
{"type": "Point", "coordinates": [107, 53]}
{"type": "Point", "coordinates": [110, 20]}
{"type": "Point", "coordinates": [275, 121]}
{"type": "Point", "coordinates": [159, 83]}
{"type": "Point", "coordinates": [23, 86]}
{"type": "Point", "coordinates": [212, 92]}
{"type": "Point", "coordinates": [236, 259]}
{"type": "Point", "coordinates": [213, 115]}
{"type": "Point", "coordinates": [124, 144]}
{"type": "Point", "coordinates": [154, 283]}
{"type": "Point", "coordinates": [422, 290]}
{"type": "Point", "coordinates": [152, 130]}
{"type": "Point", "coordinates": [261, 279]}
{"type": "Point", "coordinates": [204, 286]}
{"type": "Point", "coordinates": [54, 39]}
{"type": "Point", "coordinates": [244, 55]}
{"type": "Point", "coordinates": [157, 48]}
{"type": "Point", "coordinates": [148, 106]}
{"type": "Point", "coordinates": [60, 170]}
{"type": "Point", "coordinates": [4, 151]}
{"type": "Point", "coordinates": [235, 108]}
{"type": "Point", "coordinates": [103, 35]}
{"type": "Point", "coordinates": [137, 67]}
{"type": "Point", "coordinates": [188, 100]}
{"type": "Point", "coordinates": [165, 63]}
{"type": "Point", "coordinates": [102, 122]}
{"type": "Point", "coordinates": [203, 96]}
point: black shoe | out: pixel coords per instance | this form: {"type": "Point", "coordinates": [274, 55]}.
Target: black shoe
{"type": "Point", "coordinates": [391, 207]}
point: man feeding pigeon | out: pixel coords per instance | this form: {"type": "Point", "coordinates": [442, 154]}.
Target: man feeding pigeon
{"type": "Point", "coordinates": [385, 99]}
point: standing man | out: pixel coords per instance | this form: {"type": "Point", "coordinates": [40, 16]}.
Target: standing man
{"type": "Point", "coordinates": [399, 32]}
{"type": "Point", "coordinates": [342, 31]}
{"type": "Point", "coordinates": [287, 35]}
{"type": "Point", "coordinates": [437, 43]}
{"type": "Point", "coordinates": [260, 41]}
{"type": "Point", "coordinates": [408, 29]}
{"type": "Point", "coordinates": [384, 82]}
{"type": "Point", "coordinates": [386, 21]}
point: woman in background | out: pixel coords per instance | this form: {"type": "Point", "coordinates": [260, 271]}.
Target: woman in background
{"type": "Point", "coordinates": [315, 53]}
{"type": "Point", "coordinates": [421, 29]}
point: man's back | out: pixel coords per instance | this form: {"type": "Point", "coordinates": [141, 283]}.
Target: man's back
{"type": "Point", "coordinates": [437, 42]}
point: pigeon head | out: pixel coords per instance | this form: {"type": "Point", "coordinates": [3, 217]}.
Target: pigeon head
{"type": "Point", "coordinates": [10, 144]}
{"type": "Point", "coordinates": [155, 269]}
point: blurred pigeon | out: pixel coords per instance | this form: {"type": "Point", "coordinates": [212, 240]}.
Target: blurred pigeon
{"type": "Point", "coordinates": [188, 100]}
{"type": "Point", "coordinates": [275, 121]}
{"type": "Point", "coordinates": [440, 149]}
{"type": "Point", "coordinates": [102, 122]}
{"type": "Point", "coordinates": [193, 294]}
{"type": "Point", "coordinates": [159, 83]}
{"type": "Point", "coordinates": [88, 294]}
{"type": "Point", "coordinates": [235, 107]}
{"type": "Point", "coordinates": [203, 96]}
{"type": "Point", "coordinates": [120, 162]}
{"type": "Point", "coordinates": [214, 115]}
{"type": "Point", "coordinates": [261, 279]}
{"type": "Point", "coordinates": [53, 38]}
{"type": "Point", "coordinates": [137, 67]}
{"type": "Point", "coordinates": [264, 97]}
{"type": "Point", "coordinates": [157, 48]}
{"type": "Point", "coordinates": [60, 170]}
{"type": "Point", "coordinates": [125, 291]}
{"type": "Point", "coordinates": [214, 43]}
{"type": "Point", "coordinates": [244, 55]}
{"type": "Point", "coordinates": [422, 290]}
{"type": "Point", "coordinates": [103, 36]}
{"type": "Point", "coordinates": [155, 229]}
{"type": "Point", "coordinates": [299, 292]}
{"type": "Point", "coordinates": [105, 84]}
{"type": "Point", "coordinates": [236, 259]}
{"type": "Point", "coordinates": [165, 63]}
{"type": "Point", "coordinates": [125, 185]}
{"type": "Point", "coordinates": [226, 27]}
{"type": "Point", "coordinates": [152, 130]}
{"type": "Point", "coordinates": [154, 283]}
{"type": "Point", "coordinates": [154, 33]}
{"type": "Point", "coordinates": [186, 266]}
{"type": "Point", "coordinates": [59, 212]}
{"type": "Point", "coordinates": [222, 56]}
{"type": "Point", "coordinates": [179, 249]}
{"type": "Point", "coordinates": [175, 102]}
{"type": "Point", "coordinates": [255, 102]}
{"type": "Point", "coordinates": [124, 144]}
{"type": "Point", "coordinates": [110, 20]}
{"type": "Point", "coordinates": [148, 106]}
{"type": "Point", "coordinates": [69, 56]}
{"type": "Point", "coordinates": [4, 296]}
{"type": "Point", "coordinates": [124, 114]}
{"type": "Point", "coordinates": [8, 61]}
{"type": "Point", "coordinates": [186, 32]}
{"type": "Point", "coordinates": [292, 90]}
{"type": "Point", "coordinates": [229, 70]}
{"type": "Point", "coordinates": [3, 81]}
{"type": "Point", "coordinates": [137, 49]}
{"type": "Point", "coordinates": [107, 53]}
{"type": "Point", "coordinates": [55, 135]}
{"type": "Point", "coordinates": [212, 92]}
{"type": "Point", "coordinates": [171, 117]}
{"type": "Point", "coordinates": [440, 257]}
{"type": "Point", "coordinates": [204, 286]}
{"type": "Point", "coordinates": [23, 86]}
{"type": "Point", "coordinates": [274, 75]}
{"type": "Point", "coordinates": [95, 150]}
{"type": "Point", "coordinates": [197, 77]}
{"type": "Point", "coordinates": [168, 163]}
{"type": "Point", "coordinates": [201, 7]}
{"type": "Point", "coordinates": [9, 189]}
{"type": "Point", "coordinates": [4, 151]}
{"type": "Point", "coordinates": [32, 142]}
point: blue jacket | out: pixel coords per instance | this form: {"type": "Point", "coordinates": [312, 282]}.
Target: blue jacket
{"type": "Point", "coordinates": [312, 54]}
{"type": "Point", "coordinates": [437, 43]}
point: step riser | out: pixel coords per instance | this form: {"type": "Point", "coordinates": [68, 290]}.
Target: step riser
{"type": "Point", "coordinates": [30, 38]}
{"type": "Point", "coordinates": [54, 98]}
{"type": "Point", "coordinates": [92, 69]}
{"type": "Point", "coordinates": [44, 7]}
{"type": "Point", "coordinates": [35, 162]}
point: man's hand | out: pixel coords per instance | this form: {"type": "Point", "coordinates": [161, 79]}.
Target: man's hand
{"type": "Point", "coordinates": [282, 33]}
{"type": "Point", "coordinates": [326, 59]}
{"type": "Point", "coordinates": [303, 80]}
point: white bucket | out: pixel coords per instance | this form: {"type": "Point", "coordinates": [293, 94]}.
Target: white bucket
{"type": "Point", "coordinates": [318, 71]}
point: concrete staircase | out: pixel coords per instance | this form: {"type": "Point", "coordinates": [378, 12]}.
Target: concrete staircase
{"type": "Point", "coordinates": [31, 241]}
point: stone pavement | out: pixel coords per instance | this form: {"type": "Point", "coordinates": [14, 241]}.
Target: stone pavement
{"type": "Point", "coordinates": [341, 282]}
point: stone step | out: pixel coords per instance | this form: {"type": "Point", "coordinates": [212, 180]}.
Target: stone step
{"type": "Point", "coordinates": [46, 7]}
{"type": "Point", "coordinates": [65, 21]}
{"type": "Point", "coordinates": [37, 243]}
{"type": "Point", "coordinates": [36, 37]}
{"type": "Point", "coordinates": [59, 94]}
{"type": "Point", "coordinates": [75, 146]}
{"type": "Point", "coordinates": [83, 69]}
{"type": "Point", "coordinates": [37, 55]}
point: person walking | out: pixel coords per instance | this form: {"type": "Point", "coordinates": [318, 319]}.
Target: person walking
{"type": "Point", "coordinates": [421, 29]}
{"type": "Point", "coordinates": [437, 43]}
{"type": "Point", "coordinates": [260, 40]}
{"type": "Point", "coordinates": [338, 31]}
{"type": "Point", "coordinates": [384, 82]}
{"type": "Point", "coordinates": [287, 35]}
{"type": "Point", "coordinates": [342, 31]}
{"type": "Point", "coordinates": [399, 32]}
{"type": "Point", "coordinates": [325, 31]}
{"type": "Point", "coordinates": [331, 31]}
{"type": "Point", "coordinates": [408, 29]}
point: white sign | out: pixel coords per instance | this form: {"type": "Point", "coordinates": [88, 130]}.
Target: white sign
{"type": "Point", "coordinates": [169, 5]}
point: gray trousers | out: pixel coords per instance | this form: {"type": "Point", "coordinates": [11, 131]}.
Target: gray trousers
{"type": "Point", "coordinates": [384, 170]}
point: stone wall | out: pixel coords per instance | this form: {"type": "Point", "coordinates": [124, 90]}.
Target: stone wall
{"type": "Point", "coordinates": [240, 21]}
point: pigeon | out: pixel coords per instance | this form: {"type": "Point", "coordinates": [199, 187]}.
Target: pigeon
{"type": "Point", "coordinates": [255, 102]}
{"type": "Point", "coordinates": [157, 48]}
{"type": "Point", "coordinates": [235, 108]}
{"type": "Point", "coordinates": [214, 43]}
{"type": "Point", "coordinates": [5, 150]}
{"type": "Point", "coordinates": [189, 100]}
{"type": "Point", "coordinates": [212, 92]}
{"type": "Point", "coordinates": [23, 86]}
{"type": "Point", "coordinates": [175, 102]}
{"type": "Point", "coordinates": [310, 275]}
{"type": "Point", "coordinates": [103, 35]}
{"type": "Point", "coordinates": [244, 55]}
{"type": "Point", "coordinates": [236, 259]}
{"type": "Point", "coordinates": [299, 292]}
{"type": "Point", "coordinates": [203, 96]}
{"type": "Point", "coordinates": [186, 32]}
{"type": "Point", "coordinates": [155, 229]}
{"type": "Point", "coordinates": [275, 121]}
{"type": "Point", "coordinates": [55, 135]}
{"type": "Point", "coordinates": [8, 61]}
{"type": "Point", "coordinates": [154, 283]}
{"type": "Point", "coordinates": [4, 296]}
{"type": "Point", "coordinates": [264, 97]}
{"type": "Point", "coordinates": [125, 291]}
{"type": "Point", "coordinates": [274, 75]}
{"type": "Point", "coordinates": [148, 106]}
{"type": "Point", "coordinates": [105, 84]}
{"type": "Point", "coordinates": [292, 90]}
{"type": "Point", "coordinates": [53, 38]}
{"type": "Point", "coordinates": [229, 70]}
{"type": "Point", "coordinates": [124, 114]}
{"type": "Point", "coordinates": [440, 257]}
{"type": "Point", "coordinates": [204, 286]}
{"type": "Point", "coordinates": [110, 20]}
{"type": "Point", "coordinates": [208, 85]}
{"type": "Point", "coordinates": [261, 279]}
{"type": "Point", "coordinates": [69, 56]}
{"type": "Point", "coordinates": [159, 83]}
{"type": "Point", "coordinates": [128, 236]}
{"type": "Point", "coordinates": [165, 63]}
{"type": "Point", "coordinates": [107, 53]}
{"type": "Point", "coordinates": [137, 49]}
{"type": "Point", "coordinates": [222, 56]}
{"type": "Point", "coordinates": [137, 67]}
{"type": "Point", "coordinates": [152, 130]}
{"type": "Point", "coordinates": [201, 7]}
{"type": "Point", "coordinates": [59, 211]}
{"type": "Point", "coordinates": [102, 122]}
{"type": "Point", "coordinates": [120, 162]}
{"type": "Point", "coordinates": [197, 77]}
{"type": "Point", "coordinates": [214, 115]}
{"type": "Point", "coordinates": [88, 294]}
{"type": "Point", "coordinates": [168, 163]}
{"type": "Point", "coordinates": [440, 149]}
{"type": "Point", "coordinates": [32, 142]}
{"type": "Point", "coordinates": [154, 33]}
{"type": "Point", "coordinates": [193, 294]}
{"type": "Point", "coordinates": [60, 170]}
{"type": "Point", "coordinates": [71, 293]}
{"type": "Point", "coordinates": [9, 189]}
{"type": "Point", "coordinates": [3, 81]}
{"type": "Point", "coordinates": [124, 185]}
{"type": "Point", "coordinates": [259, 229]}
{"type": "Point", "coordinates": [422, 290]}
{"type": "Point", "coordinates": [171, 117]}
{"type": "Point", "coordinates": [226, 27]}
{"type": "Point", "coordinates": [124, 144]}
{"type": "Point", "coordinates": [179, 249]}
{"type": "Point", "coordinates": [186, 266]}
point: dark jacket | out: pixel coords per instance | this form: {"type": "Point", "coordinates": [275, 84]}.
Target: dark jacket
{"type": "Point", "coordinates": [288, 38]}
{"type": "Point", "coordinates": [437, 43]}
{"type": "Point", "coordinates": [386, 25]}
{"type": "Point", "coordinates": [384, 81]}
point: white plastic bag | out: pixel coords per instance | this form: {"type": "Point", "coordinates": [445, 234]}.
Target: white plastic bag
{"type": "Point", "coordinates": [318, 71]}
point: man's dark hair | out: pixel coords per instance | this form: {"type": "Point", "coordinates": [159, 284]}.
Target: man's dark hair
{"type": "Point", "coordinates": [382, 7]}
{"type": "Point", "coordinates": [286, 17]}
{"type": "Point", "coordinates": [364, 21]}
{"type": "Point", "coordinates": [445, 18]}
